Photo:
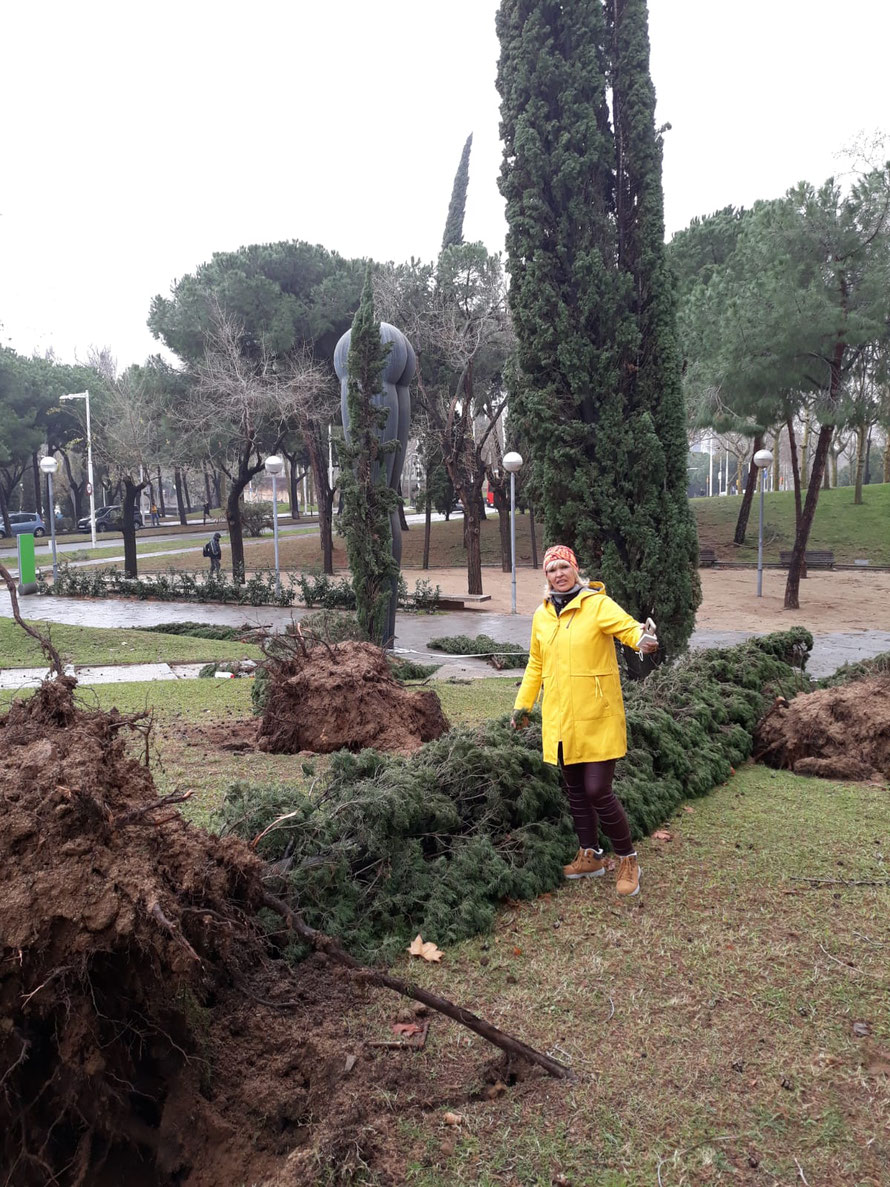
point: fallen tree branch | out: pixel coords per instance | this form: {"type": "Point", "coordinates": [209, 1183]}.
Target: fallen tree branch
{"type": "Point", "coordinates": [844, 881]}
{"type": "Point", "coordinates": [175, 797]}
{"type": "Point", "coordinates": [55, 660]}
{"type": "Point", "coordinates": [492, 1034]}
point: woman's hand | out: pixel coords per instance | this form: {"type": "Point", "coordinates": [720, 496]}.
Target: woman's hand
{"type": "Point", "coordinates": [648, 640]}
{"type": "Point", "coordinates": [519, 720]}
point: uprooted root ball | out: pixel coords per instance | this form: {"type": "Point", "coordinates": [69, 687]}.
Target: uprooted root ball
{"type": "Point", "coordinates": [835, 733]}
{"type": "Point", "coordinates": [132, 1045]}
{"type": "Point", "coordinates": [343, 697]}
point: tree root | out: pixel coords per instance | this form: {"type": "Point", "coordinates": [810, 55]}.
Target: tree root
{"type": "Point", "coordinates": [158, 914]}
{"type": "Point", "coordinates": [492, 1034]}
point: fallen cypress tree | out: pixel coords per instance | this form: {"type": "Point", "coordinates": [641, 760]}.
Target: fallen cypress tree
{"type": "Point", "coordinates": [380, 848]}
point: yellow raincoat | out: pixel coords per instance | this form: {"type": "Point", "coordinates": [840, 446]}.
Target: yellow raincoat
{"type": "Point", "coordinates": [573, 657]}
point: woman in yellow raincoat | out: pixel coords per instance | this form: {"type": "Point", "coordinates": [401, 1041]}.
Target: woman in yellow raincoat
{"type": "Point", "coordinates": [572, 655]}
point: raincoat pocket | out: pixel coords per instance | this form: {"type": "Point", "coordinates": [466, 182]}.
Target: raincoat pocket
{"type": "Point", "coordinates": [593, 698]}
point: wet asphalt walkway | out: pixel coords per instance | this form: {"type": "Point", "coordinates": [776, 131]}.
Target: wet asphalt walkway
{"type": "Point", "coordinates": [413, 633]}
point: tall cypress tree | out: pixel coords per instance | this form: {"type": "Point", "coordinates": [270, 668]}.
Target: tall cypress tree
{"type": "Point", "coordinates": [367, 500]}
{"type": "Point", "coordinates": [454, 224]}
{"type": "Point", "coordinates": [600, 398]}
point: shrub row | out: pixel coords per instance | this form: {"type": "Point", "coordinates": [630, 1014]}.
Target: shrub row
{"type": "Point", "coordinates": [318, 589]}
{"type": "Point", "coordinates": [258, 590]}
{"type": "Point", "coordinates": [383, 847]}
{"type": "Point", "coordinates": [173, 586]}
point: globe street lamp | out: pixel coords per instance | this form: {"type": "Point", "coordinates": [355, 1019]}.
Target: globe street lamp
{"type": "Point", "coordinates": [48, 466]}
{"type": "Point", "coordinates": [275, 466]}
{"type": "Point", "coordinates": [86, 396]}
{"type": "Point", "coordinates": [512, 463]}
{"type": "Point", "coordinates": [762, 459]}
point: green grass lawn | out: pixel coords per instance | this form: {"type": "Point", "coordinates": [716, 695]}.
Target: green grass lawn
{"type": "Point", "coordinates": [143, 548]}
{"type": "Point", "coordinates": [709, 1022]}
{"type": "Point", "coordinates": [98, 645]}
{"type": "Point", "coordinates": [850, 532]}
{"type": "Point", "coordinates": [302, 551]}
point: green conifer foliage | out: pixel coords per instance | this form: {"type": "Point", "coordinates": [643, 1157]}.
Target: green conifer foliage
{"type": "Point", "coordinates": [387, 847]}
{"type": "Point", "coordinates": [600, 398]}
{"type": "Point", "coordinates": [367, 500]}
{"type": "Point", "coordinates": [454, 224]}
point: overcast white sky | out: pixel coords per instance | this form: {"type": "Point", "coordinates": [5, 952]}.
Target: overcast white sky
{"type": "Point", "coordinates": [140, 138]}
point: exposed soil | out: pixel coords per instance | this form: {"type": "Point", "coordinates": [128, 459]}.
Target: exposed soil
{"type": "Point", "coordinates": [835, 733]}
{"type": "Point", "coordinates": [140, 1040]}
{"type": "Point", "coordinates": [344, 697]}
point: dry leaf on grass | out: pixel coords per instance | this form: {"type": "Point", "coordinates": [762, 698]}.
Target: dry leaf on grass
{"type": "Point", "coordinates": [453, 1119]}
{"type": "Point", "coordinates": [662, 834]}
{"type": "Point", "coordinates": [686, 808]}
{"type": "Point", "coordinates": [406, 1028]}
{"type": "Point", "coordinates": [424, 949]}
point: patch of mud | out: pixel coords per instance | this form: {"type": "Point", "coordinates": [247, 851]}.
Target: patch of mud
{"type": "Point", "coordinates": [834, 733]}
{"type": "Point", "coordinates": [149, 1033]}
{"type": "Point", "coordinates": [344, 697]}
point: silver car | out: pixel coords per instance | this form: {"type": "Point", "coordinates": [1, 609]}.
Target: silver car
{"type": "Point", "coordinates": [26, 521]}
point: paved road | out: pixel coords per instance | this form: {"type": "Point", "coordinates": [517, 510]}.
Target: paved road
{"type": "Point", "coordinates": [413, 631]}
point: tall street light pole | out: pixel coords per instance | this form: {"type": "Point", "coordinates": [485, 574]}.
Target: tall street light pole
{"type": "Point", "coordinates": [512, 463]}
{"type": "Point", "coordinates": [86, 396]}
{"type": "Point", "coordinates": [762, 459]}
{"type": "Point", "coordinates": [275, 466]}
{"type": "Point", "coordinates": [48, 466]}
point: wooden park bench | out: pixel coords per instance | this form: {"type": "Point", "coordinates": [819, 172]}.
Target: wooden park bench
{"type": "Point", "coordinates": [817, 559]}
{"type": "Point", "coordinates": [707, 558]}
{"type": "Point", "coordinates": [459, 601]}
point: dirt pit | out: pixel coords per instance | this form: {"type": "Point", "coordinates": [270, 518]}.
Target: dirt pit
{"type": "Point", "coordinates": [834, 733]}
{"type": "Point", "coordinates": [344, 697]}
{"type": "Point", "coordinates": [149, 1032]}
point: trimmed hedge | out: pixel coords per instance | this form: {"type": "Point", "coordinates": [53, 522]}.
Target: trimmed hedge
{"type": "Point", "coordinates": [384, 847]}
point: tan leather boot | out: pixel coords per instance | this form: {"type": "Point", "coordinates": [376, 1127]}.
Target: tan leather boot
{"type": "Point", "coordinates": [628, 881]}
{"type": "Point", "coordinates": [585, 865]}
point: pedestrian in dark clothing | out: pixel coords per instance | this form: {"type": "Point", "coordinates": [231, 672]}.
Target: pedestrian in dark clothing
{"type": "Point", "coordinates": [213, 550]}
{"type": "Point", "coordinates": [206, 511]}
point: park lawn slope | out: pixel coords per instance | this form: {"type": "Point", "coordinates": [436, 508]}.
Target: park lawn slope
{"type": "Point", "coordinates": [710, 1022]}
{"type": "Point", "coordinates": [107, 645]}
{"type": "Point", "coordinates": [850, 532]}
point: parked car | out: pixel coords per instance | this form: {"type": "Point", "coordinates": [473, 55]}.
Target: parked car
{"type": "Point", "coordinates": [25, 521]}
{"type": "Point", "coordinates": [108, 519]}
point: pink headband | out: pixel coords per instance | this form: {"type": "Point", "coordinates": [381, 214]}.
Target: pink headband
{"type": "Point", "coordinates": [559, 552]}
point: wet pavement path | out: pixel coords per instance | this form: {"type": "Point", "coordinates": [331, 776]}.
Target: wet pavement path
{"type": "Point", "coordinates": [413, 633]}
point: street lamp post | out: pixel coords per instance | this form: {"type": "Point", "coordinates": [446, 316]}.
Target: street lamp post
{"type": "Point", "coordinates": [762, 459]}
{"type": "Point", "coordinates": [275, 466]}
{"type": "Point", "coordinates": [86, 396]}
{"type": "Point", "coordinates": [48, 466]}
{"type": "Point", "coordinates": [512, 463]}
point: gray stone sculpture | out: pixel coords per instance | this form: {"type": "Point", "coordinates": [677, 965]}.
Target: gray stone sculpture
{"type": "Point", "coordinates": [395, 396]}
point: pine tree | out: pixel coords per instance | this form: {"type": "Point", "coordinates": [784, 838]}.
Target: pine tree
{"type": "Point", "coordinates": [367, 500]}
{"type": "Point", "coordinates": [454, 224]}
{"type": "Point", "coordinates": [600, 398]}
